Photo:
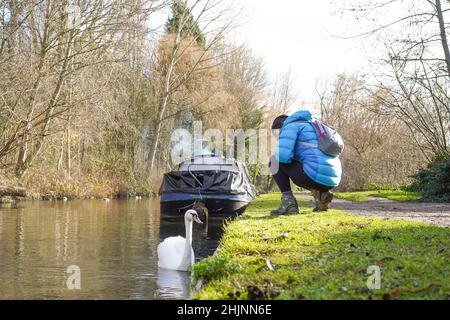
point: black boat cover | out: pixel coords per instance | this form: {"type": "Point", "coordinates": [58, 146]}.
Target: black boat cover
{"type": "Point", "coordinates": [208, 182]}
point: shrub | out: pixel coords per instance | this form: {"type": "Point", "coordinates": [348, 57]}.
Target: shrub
{"type": "Point", "coordinates": [433, 181]}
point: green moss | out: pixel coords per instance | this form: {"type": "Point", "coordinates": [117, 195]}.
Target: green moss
{"type": "Point", "coordinates": [362, 196]}
{"type": "Point", "coordinates": [325, 256]}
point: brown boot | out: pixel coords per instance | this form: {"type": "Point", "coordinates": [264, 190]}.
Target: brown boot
{"type": "Point", "coordinates": [325, 200]}
{"type": "Point", "coordinates": [316, 195]}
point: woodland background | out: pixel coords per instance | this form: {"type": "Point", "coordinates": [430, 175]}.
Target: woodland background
{"type": "Point", "coordinates": [87, 105]}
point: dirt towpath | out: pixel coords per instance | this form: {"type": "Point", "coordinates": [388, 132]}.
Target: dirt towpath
{"type": "Point", "coordinates": [434, 213]}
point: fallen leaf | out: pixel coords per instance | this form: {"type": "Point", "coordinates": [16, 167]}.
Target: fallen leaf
{"type": "Point", "coordinates": [272, 293]}
{"type": "Point", "coordinates": [255, 293]}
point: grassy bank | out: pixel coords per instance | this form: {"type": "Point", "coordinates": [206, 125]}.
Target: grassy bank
{"type": "Point", "coordinates": [362, 196]}
{"type": "Point", "coordinates": [325, 256]}
{"type": "Point", "coordinates": [50, 185]}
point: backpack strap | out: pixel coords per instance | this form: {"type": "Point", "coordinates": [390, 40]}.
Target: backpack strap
{"type": "Point", "coordinates": [319, 127]}
{"type": "Point", "coordinates": [311, 145]}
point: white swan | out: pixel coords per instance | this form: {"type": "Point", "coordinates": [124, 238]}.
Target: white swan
{"type": "Point", "coordinates": [176, 253]}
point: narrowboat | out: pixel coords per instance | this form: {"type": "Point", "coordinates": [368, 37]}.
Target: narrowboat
{"type": "Point", "coordinates": [221, 184]}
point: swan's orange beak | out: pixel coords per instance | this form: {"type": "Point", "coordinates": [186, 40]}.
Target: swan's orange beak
{"type": "Point", "coordinates": [197, 219]}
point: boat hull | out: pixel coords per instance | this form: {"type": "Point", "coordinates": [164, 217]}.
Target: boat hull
{"type": "Point", "coordinates": [220, 206]}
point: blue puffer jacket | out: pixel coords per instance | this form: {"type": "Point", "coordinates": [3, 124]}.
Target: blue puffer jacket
{"type": "Point", "coordinates": [320, 167]}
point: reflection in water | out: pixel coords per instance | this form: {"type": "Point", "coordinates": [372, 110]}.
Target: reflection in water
{"type": "Point", "coordinates": [173, 284]}
{"type": "Point", "coordinates": [114, 244]}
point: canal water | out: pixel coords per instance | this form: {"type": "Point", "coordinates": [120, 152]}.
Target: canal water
{"type": "Point", "coordinates": [110, 246]}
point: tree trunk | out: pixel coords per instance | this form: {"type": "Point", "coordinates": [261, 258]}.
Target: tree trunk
{"type": "Point", "coordinates": [24, 164]}
{"type": "Point", "coordinates": [158, 131]}
{"type": "Point", "coordinates": [443, 34]}
{"type": "Point", "coordinates": [61, 156]}
{"type": "Point", "coordinates": [69, 152]}
{"type": "Point", "coordinates": [166, 96]}
{"type": "Point", "coordinates": [12, 192]}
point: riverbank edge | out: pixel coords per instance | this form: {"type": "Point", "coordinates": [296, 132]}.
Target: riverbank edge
{"type": "Point", "coordinates": [247, 265]}
{"type": "Point", "coordinates": [50, 197]}
{"type": "Point", "coordinates": [9, 200]}
{"type": "Point", "coordinates": [51, 186]}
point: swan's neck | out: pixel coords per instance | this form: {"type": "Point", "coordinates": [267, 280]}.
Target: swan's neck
{"type": "Point", "coordinates": [187, 257]}
{"type": "Point", "coordinates": [188, 226]}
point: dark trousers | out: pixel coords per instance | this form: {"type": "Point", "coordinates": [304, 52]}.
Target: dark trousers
{"type": "Point", "coordinates": [294, 171]}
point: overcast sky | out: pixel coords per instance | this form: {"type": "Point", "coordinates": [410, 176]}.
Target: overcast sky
{"type": "Point", "coordinates": [301, 34]}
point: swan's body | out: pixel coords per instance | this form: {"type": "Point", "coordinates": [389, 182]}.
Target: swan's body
{"type": "Point", "coordinates": [171, 253]}
{"type": "Point", "coordinates": [176, 253]}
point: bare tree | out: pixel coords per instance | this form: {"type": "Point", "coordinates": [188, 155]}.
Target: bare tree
{"type": "Point", "coordinates": [89, 98]}
{"type": "Point", "coordinates": [283, 95]}
{"type": "Point", "coordinates": [57, 49]}
{"type": "Point", "coordinates": [379, 147]}
{"type": "Point", "coordinates": [206, 12]}
{"type": "Point", "coordinates": [415, 86]}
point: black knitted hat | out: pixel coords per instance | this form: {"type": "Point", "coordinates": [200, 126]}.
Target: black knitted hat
{"type": "Point", "coordinates": [279, 121]}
